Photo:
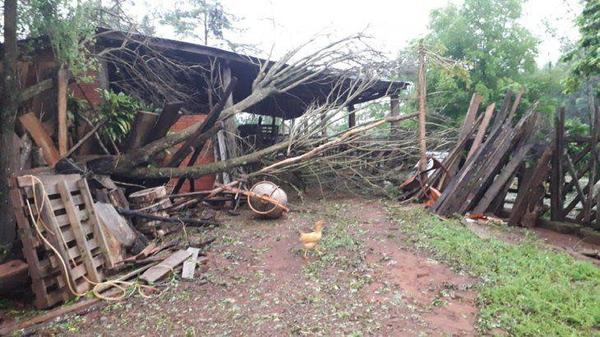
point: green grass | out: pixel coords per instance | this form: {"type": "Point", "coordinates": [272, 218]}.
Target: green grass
{"type": "Point", "coordinates": [526, 289]}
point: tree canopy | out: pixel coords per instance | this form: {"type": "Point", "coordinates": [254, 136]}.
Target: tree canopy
{"type": "Point", "coordinates": [585, 56]}
{"type": "Point", "coordinates": [494, 47]}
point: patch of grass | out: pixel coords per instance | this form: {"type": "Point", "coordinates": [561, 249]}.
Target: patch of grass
{"type": "Point", "coordinates": [527, 290]}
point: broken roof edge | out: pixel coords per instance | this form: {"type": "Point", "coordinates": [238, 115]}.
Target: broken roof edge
{"type": "Point", "coordinates": [393, 87]}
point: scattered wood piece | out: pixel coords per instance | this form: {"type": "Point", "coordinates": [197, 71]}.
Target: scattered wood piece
{"type": "Point", "coordinates": [74, 308]}
{"type": "Point", "coordinates": [177, 220]}
{"type": "Point", "coordinates": [189, 266]}
{"type": "Point", "coordinates": [115, 224]}
{"type": "Point", "coordinates": [150, 249]}
{"type": "Point", "coordinates": [61, 106]}
{"type": "Point", "coordinates": [155, 273]}
{"type": "Point", "coordinates": [33, 125]}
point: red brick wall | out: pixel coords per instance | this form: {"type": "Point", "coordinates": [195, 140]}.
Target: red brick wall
{"type": "Point", "coordinates": [206, 156]}
{"type": "Point", "coordinates": [89, 90]}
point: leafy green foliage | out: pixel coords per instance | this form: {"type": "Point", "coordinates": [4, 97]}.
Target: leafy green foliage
{"type": "Point", "coordinates": [586, 54]}
{"type": "Point", "coordinates": [69, 26]}
{"type": "Point", "coordinates": [487, 37]}
{"type": "Point", "coordinates": [544, 85]}
{"type": "Point", "coordinates": [527, 290]}
{"type": "Point", "coordinates": [119, 110]}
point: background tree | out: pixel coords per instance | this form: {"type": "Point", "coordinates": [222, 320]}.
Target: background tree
{"type": "Point", "coordinates": [487, 37]}
{"type": "Point", "coordinates": [585, 56]}
{"type": "Point", "coordinates": [8, 115]}
{"type": "Point", "coordinates": [201, 19]}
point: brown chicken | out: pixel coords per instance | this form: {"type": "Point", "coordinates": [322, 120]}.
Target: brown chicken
{"type": "Point", "coordinates": [311, 240]}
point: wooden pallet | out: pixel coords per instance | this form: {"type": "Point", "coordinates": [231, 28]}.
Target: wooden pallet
{"type": "Point", "coordinates": [67, 210]}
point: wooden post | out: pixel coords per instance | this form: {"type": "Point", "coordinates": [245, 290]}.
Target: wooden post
{"type": "Point", "coordinates": [351, 116]}
{"type": "Point", "coordinates": [422, 92]}
{"type": "Point", "coordinates": [592, 166]}
{"type": "Point", "coordinates": [394, 111]}
{"type": "Point", "coordinates": [225, 143]}
{"type": "Point", "coordinates": [62, 111]}
{"type": "Point", "coordinates": [556, 182]}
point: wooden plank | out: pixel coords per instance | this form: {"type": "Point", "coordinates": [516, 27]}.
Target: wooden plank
{"type": "Point", "coordinates": [470, 116]}
{"type": "Point", "coordinates": [168, 117]}
{"type": "Point", "coordinates": [477, 174]}
{"type": "Point", "coordinates": [351, 116]}
{"type": "Point", "coordinates": [189, 266]}
{"type": "Point", "coordinates": [140, 130]}
{"type": "Point", "coordinates": [573, 173]}
{"type": "Point", "coordinates": [153, 274]}
{"type": "Point", "coordinates": [489, 111]}
{"type": "Point", "coordinates": [62, 111]}
{"type": "Point", "coordinates": [465, 131]}
{"type": "Point", "coordinates": [111, 261]}
{"type": "Point", "coordinates": [557, 181]}
{"type": "Point", "coordinates": [57, 204]}
{"type": "Point", "coordinates": [571, 184]}
{"type": "Point", "coordinates": [505, 176]}
{"type": "Point", "coordinates": [76, 228]}
{"type": "Point", "coordinates": [524, 197]}
{"type": "Point", "coordinates": [516, 103]}
{"type": "Point", "coordinates": [63, 219]}
{"type": "Point", "coordinates": [33, 125]}
{"type": "Point", "coordinates": [502, 114]}
{"type": "Point", "coordinates": [50, 182]}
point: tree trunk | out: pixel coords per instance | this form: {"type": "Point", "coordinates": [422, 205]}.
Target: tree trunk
{"type": "Point", "coordinates": [199, 171]}
{"type": "Point", "coordinates": [124, 163]}
{"type": "Point", "coordinates": [8, 115]}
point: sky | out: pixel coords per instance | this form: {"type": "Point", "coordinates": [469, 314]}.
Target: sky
{"type": "Point", "coordinates": [284, 24]}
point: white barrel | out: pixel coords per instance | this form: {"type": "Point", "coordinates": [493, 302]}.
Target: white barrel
{"type": "Point", "coordinates": [263, 208]}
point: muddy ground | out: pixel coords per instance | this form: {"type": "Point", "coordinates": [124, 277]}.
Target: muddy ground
{"type": "Point", "coordinates": [367, 280]}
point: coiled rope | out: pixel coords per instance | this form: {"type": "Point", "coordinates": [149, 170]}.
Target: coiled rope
{"type": "Point", "coordinates": [123, 286]}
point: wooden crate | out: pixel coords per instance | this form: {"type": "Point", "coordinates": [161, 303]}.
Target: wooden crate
{"type": "Point", "coordinates": [71, 226]}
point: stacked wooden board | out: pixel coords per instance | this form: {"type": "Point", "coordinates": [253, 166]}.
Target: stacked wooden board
{"type": "Point", "coordinates": [478, 177]}
{"type": "Point", "coordinates": [62, 239]}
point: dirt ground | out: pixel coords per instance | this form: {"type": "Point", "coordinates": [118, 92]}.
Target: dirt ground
{"type": "Point", "coordinates": [366, 281]}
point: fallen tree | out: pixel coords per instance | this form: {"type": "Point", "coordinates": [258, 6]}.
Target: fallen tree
{"type": "Point", "coordinates": [347, 62]}
{"type": "Point", "coordinates": [199, 171]}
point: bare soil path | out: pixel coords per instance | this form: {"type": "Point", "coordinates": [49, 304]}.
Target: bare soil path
{"type": "Point", "coordinates": [367, 281]}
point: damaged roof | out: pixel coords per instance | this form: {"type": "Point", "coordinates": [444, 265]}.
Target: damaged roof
{"type": "Point", "coordinates": [287, 105]}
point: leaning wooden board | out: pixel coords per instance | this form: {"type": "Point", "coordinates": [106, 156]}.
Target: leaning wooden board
{"type": "Point", "coordinates": [155, 273]}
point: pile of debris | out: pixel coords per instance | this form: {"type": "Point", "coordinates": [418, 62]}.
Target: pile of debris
{"type": "Point", "coordinates": [478, 173]}
{"type": "Point", "coordinates": [77, 235]}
